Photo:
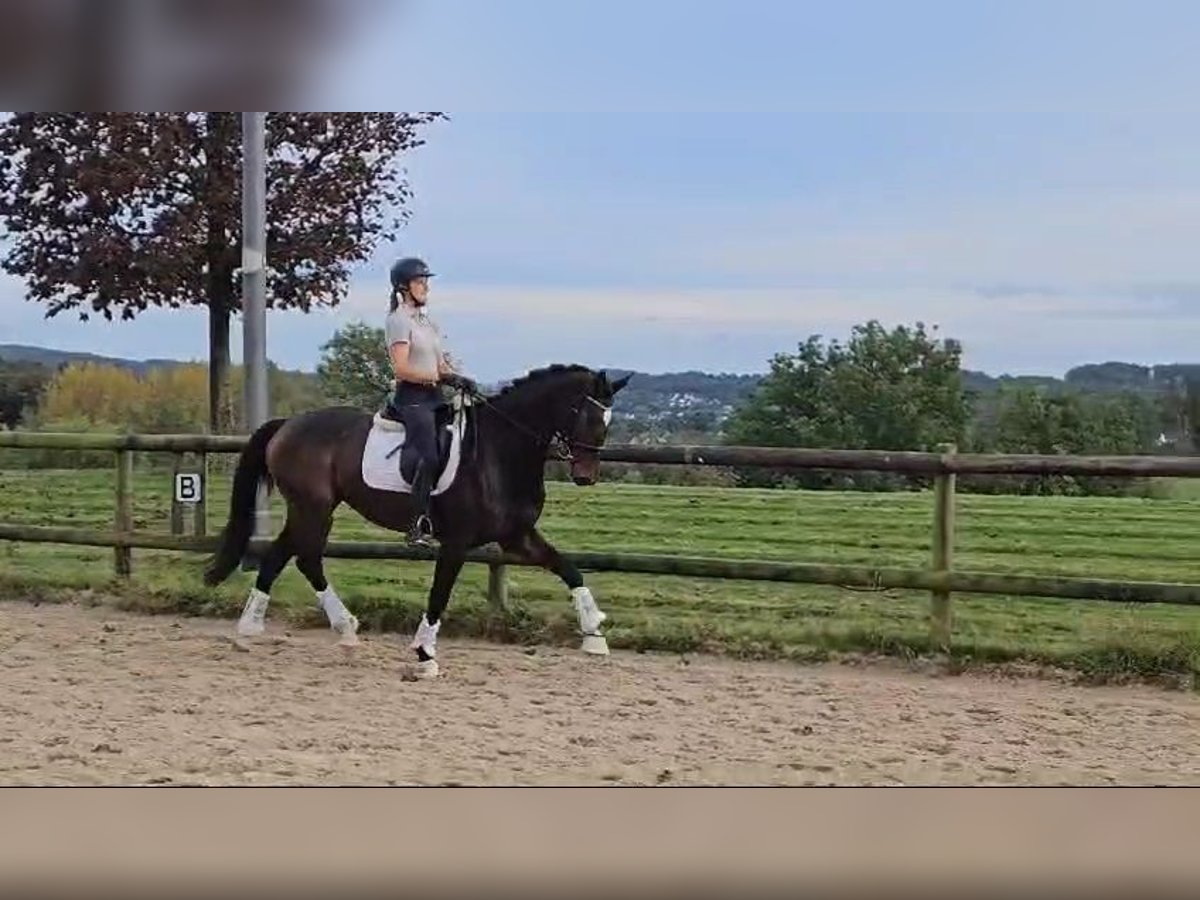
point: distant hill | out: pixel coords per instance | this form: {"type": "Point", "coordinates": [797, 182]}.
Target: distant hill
{"type": "Point", "coordinates": [1106, 377]}
{"type": "Point", "coordinates": [691, 400]}
{"type": "Point", "coordinates": [1129, 377]}
{"type": "Point", "coordinates": [697, 401]}
{"type": "Point", "coordinates": [23, 353]}
{"type": "Point", "coordinates": [983, 383]}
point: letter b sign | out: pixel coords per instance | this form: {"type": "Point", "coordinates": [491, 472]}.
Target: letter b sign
{"type": "Point", "coordinates": [188, 488]}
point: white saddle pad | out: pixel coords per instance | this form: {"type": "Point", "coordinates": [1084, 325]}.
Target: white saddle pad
{"type": "Point", "coordinates": [382, 472]}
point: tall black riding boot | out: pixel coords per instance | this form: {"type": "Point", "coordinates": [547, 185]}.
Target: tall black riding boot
{"type": "Point", "coordinates": [420, 532]}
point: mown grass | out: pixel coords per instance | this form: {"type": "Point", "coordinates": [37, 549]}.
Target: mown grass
{"type": "Point", "coordinates": [1140, 539]}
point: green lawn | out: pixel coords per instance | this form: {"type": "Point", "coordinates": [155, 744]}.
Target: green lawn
{"type": "Point", "coordinates": [1118, 538]}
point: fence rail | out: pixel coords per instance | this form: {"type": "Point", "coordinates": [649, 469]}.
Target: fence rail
{"type": "Point", "coordinates": [907, 462]}
{"type": "Point", "coordinates": [882, 578]}
{"type": "Point", "coordinates": [941, 579]}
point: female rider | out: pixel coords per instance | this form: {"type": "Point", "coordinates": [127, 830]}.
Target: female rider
{"type": "Point", "coordinates": [419, 363]}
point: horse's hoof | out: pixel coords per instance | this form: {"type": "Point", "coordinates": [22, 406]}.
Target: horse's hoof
{"type": "Point", "coordinates": [348, 632]}
{"type": "Point", "coordinates": [595, 645]}
{"type": "Point", "coordinates": [250, 629]}
{"type": "Point", "coordinates": [427, 668]}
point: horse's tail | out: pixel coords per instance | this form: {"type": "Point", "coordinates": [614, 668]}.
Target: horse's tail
{"type": "Point", "coordinates": [251, 469]}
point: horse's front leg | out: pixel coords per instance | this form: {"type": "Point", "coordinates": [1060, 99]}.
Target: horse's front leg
{"type": "Point", "coordinates": [537, 550]}
{"type": "Point", "coordinates": [445, 572]}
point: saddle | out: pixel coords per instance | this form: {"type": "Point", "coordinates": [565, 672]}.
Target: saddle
{"type": "Point", "coordinates": [444, 415]}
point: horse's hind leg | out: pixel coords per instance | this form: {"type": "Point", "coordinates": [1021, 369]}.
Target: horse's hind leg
{"type": "Point", "coordinates": [310, 543]}
{"type": "Point", "coordinates": [253, 620]}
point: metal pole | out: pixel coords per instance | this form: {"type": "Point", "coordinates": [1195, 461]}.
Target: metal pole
{"type": "Point", "coordinates": [254, 284]}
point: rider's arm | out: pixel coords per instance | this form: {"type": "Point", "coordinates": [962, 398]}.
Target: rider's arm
{"type": "Point", "coordinates": [398, 333]}
{"type": "Point", "coordinates": [404, 370]}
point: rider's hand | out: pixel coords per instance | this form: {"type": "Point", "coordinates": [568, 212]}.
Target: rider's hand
{"type": "Point", "coordinates": [461, 381]}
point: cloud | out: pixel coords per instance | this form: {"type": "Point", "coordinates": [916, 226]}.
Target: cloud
{"type": "Point", "coordinates": [1061, 241]}
{"type": "Point", "coordinates": [758, 307]}
{"type": "Point", "coordinates": [1072, 207]}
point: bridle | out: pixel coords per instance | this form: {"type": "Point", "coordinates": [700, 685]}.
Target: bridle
{"type": "Point", "coordinates": [563, 445]}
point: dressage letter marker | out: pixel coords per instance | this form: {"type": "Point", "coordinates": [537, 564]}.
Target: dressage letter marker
{"type": "Point", "coordinates": [187, 487]}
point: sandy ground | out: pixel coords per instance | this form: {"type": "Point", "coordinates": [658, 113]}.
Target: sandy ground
{"type": "Point", "coordinates": [94, 696]}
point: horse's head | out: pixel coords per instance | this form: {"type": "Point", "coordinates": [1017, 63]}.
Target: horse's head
{"type": "Point", "coordinates": [582, 420]}
{"type": "Point", "coordinates": [566, 406]}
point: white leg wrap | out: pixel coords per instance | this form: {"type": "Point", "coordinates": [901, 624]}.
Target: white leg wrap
{"type": "Point", "coordinates": [590, 619]}
{"type": "Point", "coordinates": [341, 619]}
{"type": "Point", "coordinates": [254, 613]}
{"type": "Point", "coordinates": [427, 668]}
{"type": "Point", "coordinates": [590, 616]}
{"type": "Point", "coordinates": [426, 637]}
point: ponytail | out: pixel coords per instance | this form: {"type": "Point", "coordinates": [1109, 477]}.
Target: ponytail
{"type": "Point", "coordinates": [395, 302]}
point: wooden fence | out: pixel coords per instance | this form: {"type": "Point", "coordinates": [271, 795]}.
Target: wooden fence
{"type": "Point", "coordinates": [941, 579]}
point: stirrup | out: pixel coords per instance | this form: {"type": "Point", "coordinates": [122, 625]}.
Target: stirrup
{"type": "Point", "coordinates": [420, 533]}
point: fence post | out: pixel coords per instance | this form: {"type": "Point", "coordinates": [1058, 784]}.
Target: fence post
{"type": "Point", "coordinates": [943, 549]}
{"type": "Point", "coordinates": [123, 553]}
{"type": "Point", "coordinates": [498, 587]}
{"type": "Point", "coordinates": [176, 506]}
{"type": "Point", "coordinates": [200, 527]}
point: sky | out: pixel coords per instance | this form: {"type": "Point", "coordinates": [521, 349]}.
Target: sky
{"type": "Point", "coordinates": [668, 186]}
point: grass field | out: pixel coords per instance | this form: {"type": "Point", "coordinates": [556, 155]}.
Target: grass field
{"type": "Point", "coordinates": [1119, 538]}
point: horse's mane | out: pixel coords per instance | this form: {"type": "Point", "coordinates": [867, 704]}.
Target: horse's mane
{"type": "Point", "coordinates": [535, 375]}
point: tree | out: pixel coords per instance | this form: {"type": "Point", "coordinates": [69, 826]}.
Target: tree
{"type": "Point", "coordinates": [99, 394]}
{"type": "Point", "coordinates": [174, 400]}
{"type": "Point", "coordinates": [884, 390]}
{"type": "Point", "coordinates": [354, 367]}
{"type": "Point", "coordinates": [1034, 420]}
{"type": "Point", "coordinates": [164, 399]}
{"type": "Point", "coordinates": [1179, 412]}
{"type": "Point", "coordinates": [291, 391]}
{"type": "Point", "coordinates": [112, 213]}
{"type": "Point", "coordinates": [21, 386]}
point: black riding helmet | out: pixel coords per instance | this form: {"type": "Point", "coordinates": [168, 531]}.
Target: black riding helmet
{"type": "Point", "coordinates": [405, 270]}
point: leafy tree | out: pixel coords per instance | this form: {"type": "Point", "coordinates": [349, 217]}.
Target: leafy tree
{"type": "Point", "coordinates": [1033, 420]}
{"type": "Point", "coordinates": [291, 392]}
{"type": "Point", "coordinates": [21, 386]}
{"type": "Point", "coordinates": [164, 399]}
{"type": "Point", "coordinates": [354, 367]}
{"type": "Point", "coordinates": [883, 390]}
{"type": "Point", "coordinates": [1030, 421]}
{"type": "Point", "coordinates": [111, 213]}
{"type": "Point", "coordinates": [101, 395]}
{"type": "Point", "coordinates": [1179, 412]}
{"type": "Point", "coordinates": [174, 399]}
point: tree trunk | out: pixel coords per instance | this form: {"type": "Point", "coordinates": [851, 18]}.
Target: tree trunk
{"type": "Point", "coordinates": [221, 134]}
{"type": "Point", "coordinates": [220, 417]}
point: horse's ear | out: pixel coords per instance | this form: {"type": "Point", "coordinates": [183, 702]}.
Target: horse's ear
{"type": "Point", "coordinates": [621, 382]}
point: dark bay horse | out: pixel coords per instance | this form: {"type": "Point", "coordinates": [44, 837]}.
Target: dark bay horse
{"type": "Point", "coordinates": [496, 495]}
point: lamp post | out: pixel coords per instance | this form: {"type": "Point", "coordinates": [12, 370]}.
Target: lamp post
{"type": "Point", "coordinates": [254, 285]}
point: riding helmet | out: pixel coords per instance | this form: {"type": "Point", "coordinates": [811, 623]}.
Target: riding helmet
{"type": "Point", "coordinates": [405, 270]}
